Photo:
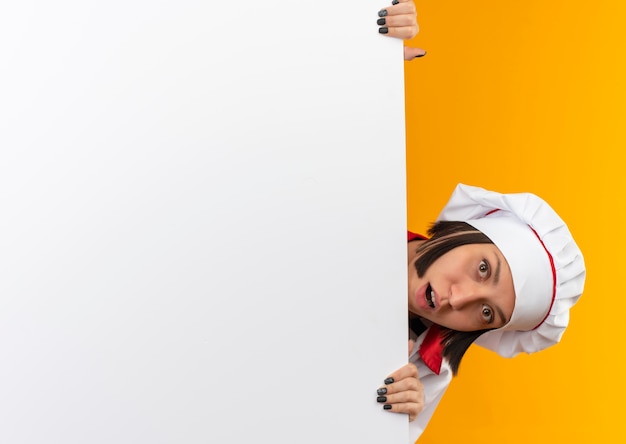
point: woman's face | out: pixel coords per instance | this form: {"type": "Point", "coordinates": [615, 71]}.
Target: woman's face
{"type": "Point", "coordinates": [468, 288]}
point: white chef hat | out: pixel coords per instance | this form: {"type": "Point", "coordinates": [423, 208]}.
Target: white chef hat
{"type": "Point", "coordinates": [547, 266]}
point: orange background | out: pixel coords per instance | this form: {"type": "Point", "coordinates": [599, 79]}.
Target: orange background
{"type": "Point", "coordinates": [531, 97]}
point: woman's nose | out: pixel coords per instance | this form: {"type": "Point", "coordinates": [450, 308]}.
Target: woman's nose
{"type": "Point", "coordinates": [462, 295]}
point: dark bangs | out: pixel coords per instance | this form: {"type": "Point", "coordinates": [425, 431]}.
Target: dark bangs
{"type": "Point", "coordinates": [445, 236]}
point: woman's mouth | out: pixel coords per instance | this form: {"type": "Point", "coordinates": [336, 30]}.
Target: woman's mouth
{"type": "Point", "coordinates": [430, 296]}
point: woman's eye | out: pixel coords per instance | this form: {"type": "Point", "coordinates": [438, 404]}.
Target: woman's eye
{"type": "Point", "coordinates": [483, 269]}
{"type": "Point", "coordinates": [487, 314]}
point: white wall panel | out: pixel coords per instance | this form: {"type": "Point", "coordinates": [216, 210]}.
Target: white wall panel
{"type": "Point", "coordinates": [202, 217]}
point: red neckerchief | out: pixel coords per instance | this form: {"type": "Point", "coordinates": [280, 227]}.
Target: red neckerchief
{"type": "Point", "coordinates": [413, 236]}
{"type": "Point", "coordinates": [431, 349]}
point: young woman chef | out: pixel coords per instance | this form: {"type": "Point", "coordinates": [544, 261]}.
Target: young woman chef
{"type": "Point", "coordinates": [499, 269]}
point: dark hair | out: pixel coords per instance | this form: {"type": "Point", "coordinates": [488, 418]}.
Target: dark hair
{"type": "Point", "coordinates": [455, 344]}
{"type": "Point", "coordinates": [445, 236]}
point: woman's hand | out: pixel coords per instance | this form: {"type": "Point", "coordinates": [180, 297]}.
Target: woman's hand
{"type": "Point", "coordinates": [400, 21]}
{"type": "Point", "coordinates": [403, 392]}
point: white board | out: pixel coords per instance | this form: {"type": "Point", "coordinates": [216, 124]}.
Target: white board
{"type": "Point", "coordinates": [202, 222]}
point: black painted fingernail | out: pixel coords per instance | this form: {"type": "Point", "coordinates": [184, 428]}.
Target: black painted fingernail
{"type": "Point", "coordinates": [381, 21]}
{"type": "Point", "coordinates": [388, 381]}
{"type": "Point", "coordinates": [383, 30]}
{"type": "Point", "coordinates": [381, 391]}
{"type": "Point", "coordinates": [387, 407]}
{"type": "Point", "coordinates": [395, 2]}
{"type": "Point", "coordinates": [420, 55]}
{"type": "Point", "coordinates": [381, 399]}
{"type": "Point", "coordinates": [382, 13]}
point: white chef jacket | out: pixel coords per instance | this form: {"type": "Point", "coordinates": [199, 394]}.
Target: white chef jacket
{"type": "Point", "coordinates": [434, 384]}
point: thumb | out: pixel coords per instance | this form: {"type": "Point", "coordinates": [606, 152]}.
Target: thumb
{"type": "Point", "coordinates": [411, 346]}
{"type": "Point", "coordinates": [413, 53]}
